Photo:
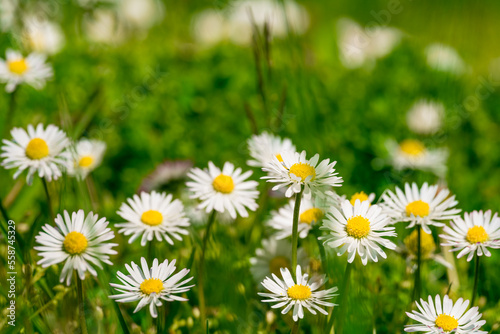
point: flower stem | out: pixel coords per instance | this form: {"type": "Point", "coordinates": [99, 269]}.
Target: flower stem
{"type": "Point", "coordinates": [476, 276]}
{"type": "Point", "coordinates": [295, 229]}
{"type": "Point", "coordinates": [343, 302]}
{"type": "Point", "coordinates": [295, 327]}
{"type": "Point", "coordinates": [201, 269]}
{"type": "Point", "coordinates": [47, 194]}
{"type": "Point", "coordinates": [417, 287]}
{"type": "Point", "coordinates": [81, 305]}
{"type": "Point", "coordinates": [322, 253]}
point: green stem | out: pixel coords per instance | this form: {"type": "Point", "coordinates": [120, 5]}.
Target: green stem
{"type": "Point", "coordinates": [417, 287]}
{"type": "Point", "coordinates": [322, 252]}
{"type": "Point", "coordinates": [295, 229]}
{"type": "Point", "coordinates": [343, 302]}
{"type": "Point", "coordinates": [295, 327]}
{"type": "Point", "coordinates": [476, 276]}
{"type": "Point", "coordinates": [10, 112]}
{"type": "Point", "coordinates": [81, 305]}
{"type": "Point", "coordinates": [47, 194]}
{"type": "Point", "coordinates": [201, 269]}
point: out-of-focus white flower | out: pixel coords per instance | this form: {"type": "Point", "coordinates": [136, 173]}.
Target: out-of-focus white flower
{"type": "Point", "coordinates": [103, 26]}
{"type": "Point", "coordinates": [141, 14]}
{"type": "Point", "coordinates": [359, 46]}
{"type": "Point", "coordinates": [7, 14]}
{"type": "Point", "coordinates": [86, 156]}
{"type": "Point", "coordinates": [425, 117]}
{"type": "Point", "coordinates": [444, 58]}
{"type": "Point", "coordinates": [42, 36]}
{"type": "Point", "coordinates": [209, 27]}
{"type": "Point", "coordinates": [16, 69]}
{"type": "Point", "coordinates": [165, 173]}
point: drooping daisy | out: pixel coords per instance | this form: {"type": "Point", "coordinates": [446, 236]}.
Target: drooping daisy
{"type": "Point", "coordinates": [427, 249]}
{"type": "Point", "coordinates": [265, 146]}
{"type": "Point", "coordinates": [151, 285]}
{"type": "Point", "coordinates": [16, 69]}
{"type": "Point", "coordinates": [425, 206]}
{"type": "Point", "coordinates": [448, 317]}
{"type": "Point", "coordinates": [425, 117]}
{"type": "Point", "coordinates": [165, 174]}
{"type": "Point", "coordinates": [86, 155]}
{"type": "Point", "coordinates": [311, 212]}
{"type": "Point", "coordinates": [153, 215]}
{"type": "Point", "coordinates": [224, 190]}
{"type": "Point", "coordinates": [273, 255]}
{"type": "Point", "coordinates": [78, 241]}
{"type": "Point", "coordinates": [294, 171]}
{"type": "Point", "coordinates": [37, 150]}
{"type": "Point", "coordinates": [475, 233]}
{"type": "Point", "coordinates": [359, 229]}
{"type": "Point", "coordinates": [412, 154]}
{"type": "Point", "coordinates": [297, 294]}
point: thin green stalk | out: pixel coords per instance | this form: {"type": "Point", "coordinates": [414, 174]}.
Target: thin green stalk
{"type": "Point", "coordinates": [295, 229]}
{"type": "Point", "coordinates": [476, 276]}
{"type": "Point", "coordinates": [417, 286]}
{"type": "Point", "coordinates": [201, 269]}
{"type": "Point", "coordinates": [81, 305]}
{"type": "Point", "coordinates": [47, 194]}
{"type": "Point", "coordinates": [10, 112]}
{"type": "Point", "coordinates": [295, 327]}
{"type": "Point", "coordinates": [344, 293]}
{"type": "Point", "coordinates": [322, 253]}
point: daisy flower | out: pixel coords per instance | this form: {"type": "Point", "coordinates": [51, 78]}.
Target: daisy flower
{"type": "Point", "coordinates": [295, 171]}
{"type": "Point", "coordinates": [223, 190]}
{"type": "Point", "coordinates": [153, 215]}
{"type": "Point", "coordinates": [427, 249]}
{"type": "Point", "coordinates": [87, 155]}
{"type": "Point", "coordinates": [309, 214]}
{"type": "Point", "coordinates": [303, 294]}
{"type": "Point", "coordinates": [78, 241]}
{"type": "Point", "coordinates": [16, 69]}
{"type": "Point", "coordinates": [359, 229]}
{"type": "Point", "coordinates": [265, 146]}
{"type": "Point", "coordinates": [425, 206]}
{"type": "Point", "coordinates": [448, 317]}
{"type": "Point", "coordinates": [42, 36]}
{"type": "Point", "coordinates": [151, 285]}
{"type": "Point", "coordinates": [273, 255]}
{"type": "Point", "coordinates": [361, 195]}
{"type": "Point", "coordinates": [37, 150]}
{"type": "Point", "coordinates": [473, 234]}
{"type": "Point", "coordinates": [412, 154]}
{"type": "Point", "coordinates": [425, 117]}
{"type": "Point", "coordinates": [444, 58]}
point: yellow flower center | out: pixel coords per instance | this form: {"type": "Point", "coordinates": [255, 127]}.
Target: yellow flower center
{"type": "Point", "coordinates": [417, 208]}
{"type": "Point", "coordinates": [152, 218]}
{"type": "Point", "coordinates": [278, 156]}
{"type": "Point", "coordinates": [75, 243]}
{"type": "Point", "coordinates": [85, 161]}
{"type": "Point", "coordinates": [37, 149]}
{"type": "Point", "coordinates": [311, 215]}
{"type": "Point", "coordinates": [427, 244]}
{"type": "Point", "coordinates": [277, 263]}
{"type": "Point", "coordinates": [477, 234]}
{"type": "Point", "coordinates": [412, 147]}
{"type": "Point", "coordinates": [446, 322]}
{"type": "Point", "coordinates": [18, 66]}
{"type": "Point", "coordinates": [299, 291]}
{"type": "Point", "coordinates": [223, 184]}
{"type": "Point", "coordinates": [303, 171]}
{"type": "Point", "coordinates": [361, 196]}
{"type": "Point", "coordinates": [358, 227]}
{"type": "Point", "coordinates": [151, 285]}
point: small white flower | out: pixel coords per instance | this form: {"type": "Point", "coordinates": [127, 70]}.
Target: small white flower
{"type": "Point", "coordinates": [153, 215]}
{"type": "Point", "coordinates": [266, 146]}
{"type": "Point", "coordinates": [103, 26]}
{"type": "Point", "coordinates": [151, 285]}
{"type": "Point", "coordinates": [37, 150]}
{"type": "Point", "coordinates": [412, 154]}
{"type": "Point", "coordinates": [78, 241]}
{"type": "Point", "coordinates": [16, 69]}
{"type": "Point", "coordinates": [223, 190]}
{"type": "Point", "coordinates": [449, 317]}
{"type": "Point", "coordinates": [475, 233]}
{"type": "Point", "coordinates": [304, 293]}
{"type": "Point", "coordinates": [445, 58]}
{"type": "Point", "coordinates": [165, 173]}
{"type": "Point", "coordinates": [425, 117]}
{"type": "Point", "coordinates": [42, 36]}
{"type": "Point", "coordinates": [142, 14]}
{"type": "Point", "coordinates": [426, 206]}
{"type": "Point", "coordinates": [86, 156]}
{"type": "Point", "coordinates": [359, 229]}
{"type": "Point", "coordinates": [361, 195]}
{"type": "Point", "coordinates": [295, 171]}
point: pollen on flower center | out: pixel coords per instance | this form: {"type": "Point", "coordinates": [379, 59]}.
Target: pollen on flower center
{"type": "Point", "coordinates": [361, 196]}
{"type": "Point", "coordinates": [477, 234]}
{"type": "Point", "coordinates": [85, 161]}
{"type": "Point", "coordinates": [223, 184]}
{"type": "Point", "coordinates": [277, 263]}
{"type": "Point", "coordinates": [311, 215]}
{"type": "Point", "coordinates": [412, 147]}
{"type": "Point", "coordinates": [358, 227]}
{"type": "Point", "coordinates": [299, 292]}
{"type": "Point", "coordinates": [152, 218]}
{"type": "Point", "coordinates": [151, 285]}
{"type": "Point", "coordinates": [427, 244]}
{"type": "Point", "coordinates": [417, 208]}
{"type": "Point", "coordinates": [37, 149]}
{"type": "Point", "coordinates": [18, 66]}
{"type": "Point", "coordinates": [75, 243]}
{"type": "Point", "coordinates": [278, 156]}
{"type": "Point", "coordinates": [446, 322]}
{"type": "Point", "coordinates": [303, 171]}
